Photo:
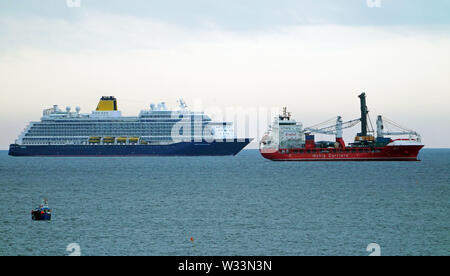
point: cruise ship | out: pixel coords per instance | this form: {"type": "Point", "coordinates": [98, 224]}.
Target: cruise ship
{"type": "Point", "coordinates": [105, 132]}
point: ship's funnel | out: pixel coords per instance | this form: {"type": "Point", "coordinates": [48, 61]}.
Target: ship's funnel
{"type": "Point", "coordinates": [107, 104]}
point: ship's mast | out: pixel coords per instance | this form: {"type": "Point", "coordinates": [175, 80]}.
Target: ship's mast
{"type": "Point", "coordinates": [363, 115]}
{"type": "Point", "coordinates": [286, 115]}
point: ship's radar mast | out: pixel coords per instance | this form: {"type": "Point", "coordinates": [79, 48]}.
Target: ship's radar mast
{"type": "Point", "coordinates": [182, 104]}
{"type": "Point", "coordinates": [286, 115]}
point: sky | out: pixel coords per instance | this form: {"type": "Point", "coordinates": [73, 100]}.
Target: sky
{"type": "Point", "coordinates": [312, 56]}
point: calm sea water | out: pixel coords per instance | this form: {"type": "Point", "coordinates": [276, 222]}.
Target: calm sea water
{"type": "Point", "coordinates": [243, 205]}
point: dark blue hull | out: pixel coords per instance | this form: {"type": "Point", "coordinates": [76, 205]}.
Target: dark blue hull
{"type": "Point", "coordinates": [177, 149]}
{"type": "Point", "coordinates": [38, 216]}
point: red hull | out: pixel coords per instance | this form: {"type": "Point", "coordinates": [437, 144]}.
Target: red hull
{"type": "Point", "coordinates": [387, 153]}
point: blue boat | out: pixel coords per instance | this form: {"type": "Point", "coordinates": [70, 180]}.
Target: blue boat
{"type": "Point", "coordinates": [105, 132]}
{"type": "Point", "coordinates": [43, 212]}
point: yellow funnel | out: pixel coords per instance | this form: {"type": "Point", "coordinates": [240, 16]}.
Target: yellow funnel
{"type": "Point", "coordinates": [107, 104]}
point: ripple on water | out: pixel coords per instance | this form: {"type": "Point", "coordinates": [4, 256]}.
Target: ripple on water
{"type": "Point", "coordinates": [243, 205]}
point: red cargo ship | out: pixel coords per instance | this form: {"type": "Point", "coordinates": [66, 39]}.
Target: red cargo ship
{"type": "Point", "coordinates": [286, 140]}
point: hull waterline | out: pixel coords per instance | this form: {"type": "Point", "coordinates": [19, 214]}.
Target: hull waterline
{"type": "Point", "coordinates": [176, 149]}
{"type": "Point", "coordinates": [387, 153]}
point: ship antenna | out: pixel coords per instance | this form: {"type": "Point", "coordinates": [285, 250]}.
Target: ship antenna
{"type": "Point", "coordinates": [183, 104]}
{"type": "Point", "coordinates": [285, 113]}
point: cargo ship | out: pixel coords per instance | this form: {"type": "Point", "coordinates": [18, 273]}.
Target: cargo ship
{"type": "Point", "coordinates": [287, 140]}
{"type": "Point", "coordinates": [156, 131]}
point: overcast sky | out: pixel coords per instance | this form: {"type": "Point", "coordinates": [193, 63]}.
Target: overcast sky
{"type": "Point", "coordinates": [313, 56]}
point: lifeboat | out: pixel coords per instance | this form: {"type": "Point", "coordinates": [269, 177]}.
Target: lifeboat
{"type": "Point", "coordinates": [122, 140]}
{"type": "Point", "coordinates": [109, 139]}
{"type": "Point", "coordinates": [133, 140]}
{"type": "Point", "coordinates": [94, 140]}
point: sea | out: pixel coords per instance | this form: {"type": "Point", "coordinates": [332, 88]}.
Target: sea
{"type": "Point", "coordinates": [227, 206]}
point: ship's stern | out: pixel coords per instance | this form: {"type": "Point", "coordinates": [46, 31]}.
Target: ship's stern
{"type": "Point", "coordinates": [13, 149]}
{"type": "Point", "coordinates": [18, 150]}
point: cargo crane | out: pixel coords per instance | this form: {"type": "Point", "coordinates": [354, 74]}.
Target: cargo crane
{"type": "Point", "coordinates": [401, 130]}
{"type": "Point", "coordinates": [363, 137]}
{"type": "Point", "coordinates": [334, 129]}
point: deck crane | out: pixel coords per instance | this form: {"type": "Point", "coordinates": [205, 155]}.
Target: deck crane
{"type": "Point", "coordinates": [334, 129]}
{"type": "Point", "coordinates": [401, 130]}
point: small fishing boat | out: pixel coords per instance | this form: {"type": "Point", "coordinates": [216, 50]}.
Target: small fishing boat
{"type": "Point", "coordinates": [43, 212]}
